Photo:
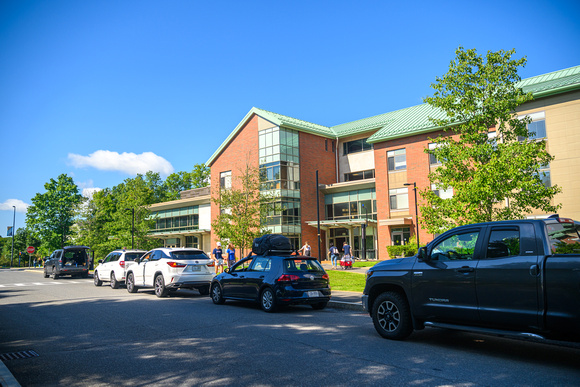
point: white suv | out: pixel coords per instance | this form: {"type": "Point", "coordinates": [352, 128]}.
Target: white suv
{"type": "Point", "coordinates": [168, 269]}
{"type": "Point", "coordinates": [114, 266]}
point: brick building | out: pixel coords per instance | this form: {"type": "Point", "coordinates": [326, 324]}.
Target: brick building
{"type": "Point", "coordinates": [367, 168]}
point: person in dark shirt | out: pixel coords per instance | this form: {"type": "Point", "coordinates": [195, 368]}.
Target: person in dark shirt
{"type": "Point", "coordinates": [219, 261]}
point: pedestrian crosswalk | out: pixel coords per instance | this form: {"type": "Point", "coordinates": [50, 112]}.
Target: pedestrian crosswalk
{"type": "Point", "coordinates": [48, 283]}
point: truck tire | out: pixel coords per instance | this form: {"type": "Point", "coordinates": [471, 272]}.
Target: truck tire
{"type": "Point", "coordinates": [392, 316]}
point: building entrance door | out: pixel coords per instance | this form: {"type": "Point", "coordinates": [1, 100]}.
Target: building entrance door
{"type": "Point", "coordinates": [400, 236]}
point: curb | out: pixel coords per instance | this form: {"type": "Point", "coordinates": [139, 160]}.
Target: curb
{"type": "Point", "coordinates": [356, 306]}
{"type": "Point", "coordinates": [6, 377]}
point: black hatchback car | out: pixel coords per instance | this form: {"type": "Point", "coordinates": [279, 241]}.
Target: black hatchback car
{"type": "Point", "coordinates": [272, 281]}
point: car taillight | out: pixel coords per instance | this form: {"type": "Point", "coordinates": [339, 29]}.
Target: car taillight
{"type": "Point", "coordinates": [176, 264]}
{"type": "Point", "coordinates": [211, 264]}
{"type": "Point", "coordinates": [122, 263]}
{"type": "Point", "coordinates": [288, 278]}
{"type": "Point", "coordinates": [325, 276]}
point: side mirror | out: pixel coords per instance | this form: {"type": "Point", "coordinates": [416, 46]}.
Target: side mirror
{"type": "Point", "coordinates": [100, 261]}
{"type": "Point", "coordinates": [227, 270]}
{"type": "Point", "coordinates": [422, 254]}
{"type": "Point", "coordinates": [136, 260]}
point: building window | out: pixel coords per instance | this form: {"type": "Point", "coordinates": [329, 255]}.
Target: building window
{"type": "Point", "coordinates": [226, 180]}
{"type": "Point", "coordinates": [358, 204]}
{"type": "Point", "coordinates": [353, 176]}
{"type": "Point", "coordinates": [280, 175]}
{"type": "Point", "coordinates": [544, 172]}
{"type": "Point", "coordinates": [397, 160]}
{"type": "Point", "coordinates": [442, 193]}
{"type": "Point", "coordinates": [192, 241]}
{"type": "Point", "coordinates": [356, 146]}
{"type": "Point", "coordinates": [399, 198]}
{"type": "Point", "coordinates": [537, 127]}
{"type": "Point", "coordinates": [432, 159]}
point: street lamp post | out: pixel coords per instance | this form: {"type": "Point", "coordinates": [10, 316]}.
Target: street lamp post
{"type": "Point", "coordinates": [13, 225]}
{"type": "Point", "coordinates": [364, 234]}
{"type": "Point", "coordinates": [414, 184]}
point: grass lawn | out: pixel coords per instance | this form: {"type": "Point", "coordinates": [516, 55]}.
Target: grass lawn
{"type": "Point", "coordinates": [365, 264]}
{"type": "Point", "coordinates": [342, 280]}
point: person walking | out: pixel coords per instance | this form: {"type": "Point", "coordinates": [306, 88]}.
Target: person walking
{"type": "Point", "coordinates": [346, 249]}
{"type": "Point", "coordinates": [219, 261]}
{"type": "Point", "coordinates": [231, 255]}
{"type": "Point", "coordinates": [305, 250]}
{"type": "Point", "coordinates": [333, 251]}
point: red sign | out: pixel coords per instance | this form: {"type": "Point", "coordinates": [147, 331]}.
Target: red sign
{"type": "Point", "coordinates": [30, 249]}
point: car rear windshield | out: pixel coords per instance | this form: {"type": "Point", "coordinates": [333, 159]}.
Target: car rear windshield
{"type": "Point", "coordinates": [302, 265]}
{"type": "Point", "coordinates": [132, 256]}
{"type": "Point", "coordinates": [183, 255]}
{"type": "Point", "coordinates": [564, 237]}
{"type": "Point", "coordinates": [74, 258]}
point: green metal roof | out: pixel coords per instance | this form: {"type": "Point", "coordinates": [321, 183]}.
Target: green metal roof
{"type": "Point", "coordinates": [408, 121]}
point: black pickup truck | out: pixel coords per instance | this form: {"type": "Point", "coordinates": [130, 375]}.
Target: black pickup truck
{"type": "Point", "coordinates": [511, 278]}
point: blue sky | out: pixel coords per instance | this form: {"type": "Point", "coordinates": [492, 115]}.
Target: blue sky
{"type": "Point", "coordinates": [102, 90]}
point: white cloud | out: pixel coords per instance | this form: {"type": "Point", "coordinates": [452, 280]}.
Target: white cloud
{"type": "Point", "coordinates": [129, 163]}
{"type": "Point", "coordinates": [20, 205]}
{"type": "Point", "coordinates": [88, 192]}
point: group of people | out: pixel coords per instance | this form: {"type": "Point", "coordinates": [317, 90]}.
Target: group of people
{"type": "Point", "coordinates": [305, 250]}
{"type": "Point", "coordinates": [219, 259]}
{"type": "Point", "coordinates": [334, 253]}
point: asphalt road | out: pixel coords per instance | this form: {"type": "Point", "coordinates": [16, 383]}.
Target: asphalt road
{"type": "Point", "coordinates": [86, 336]}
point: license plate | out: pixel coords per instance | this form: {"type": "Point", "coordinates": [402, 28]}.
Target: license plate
{"type": "Point", "coordinates": [314, 293]}
{"type": "Point", "coordinates": [193, 268]}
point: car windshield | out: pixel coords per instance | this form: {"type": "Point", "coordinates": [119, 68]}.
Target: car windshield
{"type": "Point", "coordinates": [188, 254]}
{"type": "Point", "coordinates": [133, 256]}
{"type": "Point", "coordinates": [302, 265]}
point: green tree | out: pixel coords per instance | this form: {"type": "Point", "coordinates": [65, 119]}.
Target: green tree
{"type": "Point", "coordinates": [243, 210]}
{"type": "Point", "coordinates": [106, 223]}
{"type": "Point", "coordinates": [478, 94]}
{"type": "Point", "coordinates": [182, 181]}
{"type": "Point", "coordinates": [52, 214]}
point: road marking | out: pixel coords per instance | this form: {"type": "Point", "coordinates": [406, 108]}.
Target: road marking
{"type": "Point", "coordinates": [20, 285]}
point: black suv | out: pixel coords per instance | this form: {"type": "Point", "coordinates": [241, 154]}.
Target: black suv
{"type": "Point", "coordinates": [272, 281]}
{"type": "Point", "coordinates": [71, 260]}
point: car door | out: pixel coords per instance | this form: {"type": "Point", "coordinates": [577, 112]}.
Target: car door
{"type": "Point", "coordinates": [139, 269]}
{"type": "Point", "coordinates": [254, 277]}
{"type": "Point", "coordinates": [150, 267]}
{"type": "Point", "coordinates": [443, 285]}
{"type": "Point", "coordinates": [508, 278]}
{"type": "Point", "coordinates": [232, 282]}
{"type": "Point", "coordinates": [104, 268]}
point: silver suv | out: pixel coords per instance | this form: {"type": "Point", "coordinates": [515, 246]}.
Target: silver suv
{"type": "Point", "coordinates": [114, 266]}
{"type": "Point", "coordinates": [169, 269]}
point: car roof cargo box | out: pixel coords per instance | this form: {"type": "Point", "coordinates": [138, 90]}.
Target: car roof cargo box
{"type": "Point", "coordinates": [272, 244]}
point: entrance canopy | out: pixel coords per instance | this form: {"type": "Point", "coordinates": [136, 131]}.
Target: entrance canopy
{"type": "Point", "coordinates": [343, 223]}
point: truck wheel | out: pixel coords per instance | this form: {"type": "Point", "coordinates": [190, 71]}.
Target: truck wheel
{"type": "Point", "coordinates": [392, 316]}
